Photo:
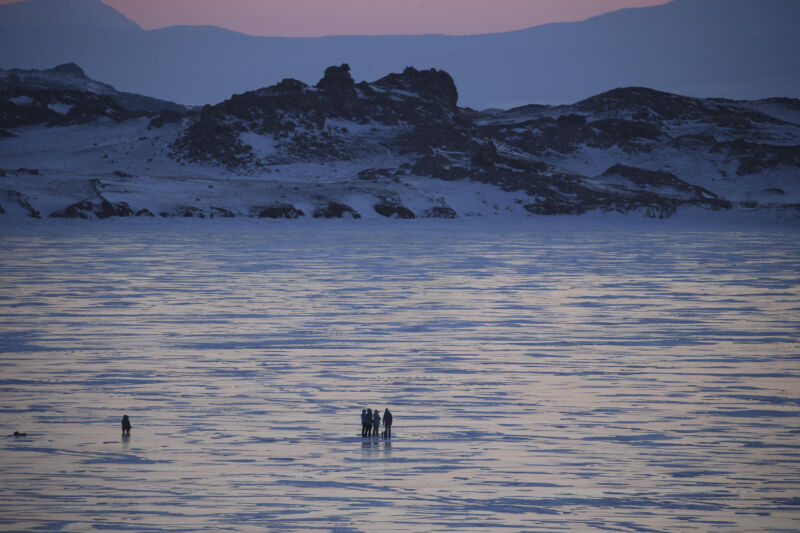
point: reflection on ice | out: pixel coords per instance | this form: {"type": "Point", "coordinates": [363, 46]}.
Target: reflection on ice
{"type": "Point", "coordinates": [540, 380]}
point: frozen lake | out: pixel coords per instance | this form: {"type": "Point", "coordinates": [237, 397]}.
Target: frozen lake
{"type": "Point", "coordinates": [544, 380]}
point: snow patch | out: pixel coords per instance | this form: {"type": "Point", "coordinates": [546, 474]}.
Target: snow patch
{"type": "Point", "coordinates": [60, 107]}
{"type": "Point", "coordinates": [22, 100]}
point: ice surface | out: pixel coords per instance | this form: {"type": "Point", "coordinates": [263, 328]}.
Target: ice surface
{"type": "Point", "coordinates": [542, 377]}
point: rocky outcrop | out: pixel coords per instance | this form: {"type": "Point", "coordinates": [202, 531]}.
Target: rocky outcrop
{"type": "Point", "coordinates": [23, 107]}
{"type": "Point", "coordinates": [420, 105]}
{"type": "Point", "coordinates": [336, 210]}
{"type": "Point", "coordinates": [279, 211]}
{"type": "Point", "coordinates": [23, 201]}
{"type": "Point", "coordinates": [165, 117]}
{"type": "Point", "coordinates": [649, 105]}
{"type": "Point", "coordinates": [94, 208]}
{"type": "Point", "coordinates": [393, 210]}
{"type": "Point", "coordinates": [754, 158]}
{"type": "Point", "coordinates": [436, 86]}
{"type": "Point", "coordinates": [440, 212]}
{"type": "Point", "coordinates": [199, 212]}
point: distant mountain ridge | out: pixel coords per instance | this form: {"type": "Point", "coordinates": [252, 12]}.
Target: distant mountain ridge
{"type": "Point", "coordinates": [744, 49]}
{"type": "Point", "coordinates": [63, 13]}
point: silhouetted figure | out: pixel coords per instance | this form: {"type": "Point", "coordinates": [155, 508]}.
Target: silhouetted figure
{"type": "Point", "coordinates": [376, 423]}
{"type": "Point", "coordinates": [387, 424]}
{"type": "Point", "coordinates": [126, 425]}
{"type": "Point", "coordinates": [363, 422]}
{"type": "Point", "coordinates": [20, 434]}
{"type": "Point", "coordinates": [369, 423]}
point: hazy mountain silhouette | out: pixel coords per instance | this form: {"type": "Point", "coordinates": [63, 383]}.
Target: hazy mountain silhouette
{"type": "Point", "coordinates": [55, 13]}
{"type": "Point", "coordinates": [729, 48]}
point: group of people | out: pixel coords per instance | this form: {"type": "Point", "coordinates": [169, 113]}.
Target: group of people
{"type": "Point", "coordinates": [371, 423]}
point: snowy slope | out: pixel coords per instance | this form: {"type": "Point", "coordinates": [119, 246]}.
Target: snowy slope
{"type": "Point", "coordinates": [397, 147]}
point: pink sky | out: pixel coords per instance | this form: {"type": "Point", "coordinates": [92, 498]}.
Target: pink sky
{"type": "Point", "coordinates": [311, 18]}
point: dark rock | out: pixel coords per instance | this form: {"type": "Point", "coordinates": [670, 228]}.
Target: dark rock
{"type": "Point", "coordinates": [6, 134]}
{"type": "Point", "coordinates": [376, 174]}
{"type": "Point", "coordinates": [756, 157]}
{"type": "Point", "coordinates": [2, 211]}
{"type": "Point", "coordinates": [337, 81]}
{"type": "Point", "coordinates": [280, 211]}
{"type": "Point", "coordinates": [221, 212]}
{"type": "Point", "coordinates": [144, 213]}
{"type": "Point", "coordinates": [210, 139]}
{"type": "Point", "coordinates": [289, 86]}
{"type": "Point", "coordinates": [393, 210]}
{"type": "Point", "coordinates": [336, 210]}
{"type": "Point", "coordinates": [549, 207]}
{"type": "Point", "coordinates": [198, 212]}
{"type": "Point", "coordinates": [420, 103]}
{"type": "Point", "coordinates": [661, 184]}
{"type": "Point", "coordinates": [339, 88]}
{"type": "Point", "coordinates": [165, 117]}
{"type": "Point", "coordinates": [437, 166]}
{"type": "Point", "coordinates": [100, 208]}
{"type": "Point", "coordinates": [644, 104]}
{"type": "Point", "coordinates": [440, 212]}
{"type": "Point", "coordinates": [433, 85]}
{"type": "Point", "coordinates": [77, 210]}
{"type": "Point", "coordinates": [567, 133]}
{"type": "Point", "coordinates": [70, 69]}
{"type": "Point", "coordinates": [24, 202]}
{"type": "Point", "coordinates": [190, 212]}
{"type": "Point", "coordinates": [648, 178]}
{"type": "Point", "coordinates": [485, 155]}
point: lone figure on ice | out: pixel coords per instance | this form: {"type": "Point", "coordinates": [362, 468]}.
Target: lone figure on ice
{"type": "Point", "coordinates": [126, 425]}
{"type": "Point", "coordinates": [387, 424]}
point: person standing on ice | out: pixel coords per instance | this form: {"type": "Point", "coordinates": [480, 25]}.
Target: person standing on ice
{"type": "Point", "coordinates": [126, 425]}
{"type": "Point", "coordinates": [368, 431]}
{"type": "Point", "coordinates": [363, 422]}
{"type": "Point", "coordinates": [387, 424]}
{"type": "Point", "coordinates": [376, 422]}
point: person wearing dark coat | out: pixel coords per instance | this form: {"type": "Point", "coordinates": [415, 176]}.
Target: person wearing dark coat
{"type": "Point", "coordinates": [376, 423]}
{"type": "Point", "coordinates": [368, 431]}
{"type": "Point", "coordinates": [126, 425]}
{"type": "Point", "coordinates": [387, 424]}
{"type": "Point", "coordinates": [363, 422]}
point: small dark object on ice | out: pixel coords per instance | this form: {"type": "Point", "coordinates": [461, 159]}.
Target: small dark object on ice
{"type": "Point", "coordinates": [126, 425]}
{"type": "Point", "coordinates": [20, 434]}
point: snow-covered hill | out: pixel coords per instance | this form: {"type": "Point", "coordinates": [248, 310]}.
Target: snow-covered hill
{"type": "Point", "coordinates": [69, 77]}
{"type": "Point", "coordinates": [396, 147]}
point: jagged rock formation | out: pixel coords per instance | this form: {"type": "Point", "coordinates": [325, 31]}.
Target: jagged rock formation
{"type": "Point", "coordinates": [313, 123]}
